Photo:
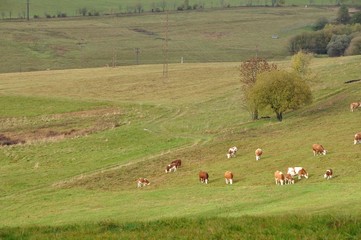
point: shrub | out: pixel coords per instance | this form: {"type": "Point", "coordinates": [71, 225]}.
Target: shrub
{"type": "Point", "coordinates": [315, 42]}
{"type": "Point", "coordinates": [320, 23]}
{"type": "Point", "coordinates": [338, 44]}
{"type": "Point", "coordinates": [355, 46]}
{"type": "Point", "coordinates": [356, 18]}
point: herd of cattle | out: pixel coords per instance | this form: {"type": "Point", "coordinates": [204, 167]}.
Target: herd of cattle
{"type": "Point", "coordinates": [280, 178]}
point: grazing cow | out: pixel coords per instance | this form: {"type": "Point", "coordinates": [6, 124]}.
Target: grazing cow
{"type": "Point", "coordinates": [171, 167]}
{"type": "Point", "coordinates": [232, 152]}
{"type": "Point", "coordinates": [279, 178]}
{"type": "Point", "coordinates": [289, 179]}
{"type": "Point", "coordinates": [328, 174]}
{"type": "Point", "coordinates": [203, 177]}
{"type": "Point", "coordinates": [228, 176]}
{"type": "Point", "coordinates": [357, 138]}
{"type": "Point", "coordinates": [318, 149]}
{"type": "Point", "coordinates": [258, 153]}
{"type": "Point", "coordinates": [300, 171]}
{"type": "Point", "coordinates": [177, 162]}
{"type": "Point", "coordinates": [141, 182]}
{"type": "Point", "coordinates": [355, 105]}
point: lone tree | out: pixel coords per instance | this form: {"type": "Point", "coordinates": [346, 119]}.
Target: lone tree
{"type": "Point", "coordinates": [249, 71]}
{"type": "Point", "coordinates": [281, 91]}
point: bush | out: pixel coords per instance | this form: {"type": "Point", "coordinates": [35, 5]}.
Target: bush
{"type": "Point", "coordinates": [338, 44]}
{"type": "Point", "coordinates": [356, 18]}
{"type": "Point", "coordinates": [355, 46]}
{"type": "Point", "coordinates": [320, 23]}
{"type": "Point", "coordinates": [315, 42]}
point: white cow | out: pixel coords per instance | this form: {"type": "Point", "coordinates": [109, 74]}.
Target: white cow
{"type": "Point", "coordinates": [232, 152]}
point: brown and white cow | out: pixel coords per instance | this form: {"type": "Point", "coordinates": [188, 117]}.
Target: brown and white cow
{"type": "Point", "coordinates": [299, 171]}
{"type": "Point", "coordinates": [203, 177]}
{"type": "Point", "coordinates": [258, 153]}
{"type": "Point", "coordinates": [289, 179]}
{"type": "Point", "coordinates": [357, 138]}
{"type": "Point", "coordinates": [141, 182]}
{"type": "Point", "coordinates": [328, 174]}
{"type": "Point", "coordinates": [318, 149]}
{"type": "Point", "coordinates": [228, 176]}
{"type": "Point", "coordinates": [354, 105]}
{"type": "Point", "coordinates": [279, 178]}
{"type": "Point", "coordinates": [171, 167]}
{"type": "Point", "coordinates": [232, 152]}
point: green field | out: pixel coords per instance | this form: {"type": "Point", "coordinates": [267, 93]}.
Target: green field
{"type": "Point", "coordinates": [209, 36]}
{"type": "Point", "coordinates": [86, 131]}
{"type": "Point", "coordinates": [129, 122]}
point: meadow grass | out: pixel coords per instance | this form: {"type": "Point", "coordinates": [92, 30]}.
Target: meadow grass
{"type": "Point", "coordinates": [84, 186]}
{"type": "Point", "coordinates": [216, 35]}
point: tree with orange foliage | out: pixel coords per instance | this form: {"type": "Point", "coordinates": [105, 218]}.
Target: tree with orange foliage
{"type": "Point", "coordinates": [249, 70]}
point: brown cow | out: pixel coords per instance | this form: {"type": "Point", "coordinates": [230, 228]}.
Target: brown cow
{"type": "Point", "coordinates": [228, 176]}
{"type": "Point", "coordinates": [328, 174]}
{"type": "Point", "coordinates": [357, 138]}
{"type": "Point", "coordinates": [289, 179]}
{"type": "Point", "coordinates": [318, 149]}
{"type": "Point", "coordinates": [177, 162]}
{"type": "Point", "coordinates": [279, 178]}
{"type": "Point", "coordinates": [203, 177]}
{"type": "Point", "coordinates": [355, 105]}
{"type": "Point", "coordinates": [141, 182]}
{"type": "Point", "coordinates": [300, 171]}
{"type": "Point", "coordinates": [258, 153]}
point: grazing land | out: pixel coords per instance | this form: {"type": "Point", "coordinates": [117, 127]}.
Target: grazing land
{"type": "Point", "coordinates": [75, 134]}
{"type": "Point", "coordinates": [90, 133]}
{"type": "Point", "coordinates": [215, 35]}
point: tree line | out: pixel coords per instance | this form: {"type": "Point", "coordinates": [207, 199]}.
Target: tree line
{"type": "Point", "coordinates": [339, 37]}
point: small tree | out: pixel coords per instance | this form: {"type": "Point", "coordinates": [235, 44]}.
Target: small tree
{"type": "Point", "coordinates": [300, 64]}
{"type": "Point", "coordinates": [249, 71]}
{"type": "Point", "coordinates": [281, 91]}
{"type": "Point", "coordinates": [343, 15]}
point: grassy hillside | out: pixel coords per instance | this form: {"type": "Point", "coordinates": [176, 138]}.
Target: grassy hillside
{"type": "Point", "coordinates": [17, 8]}
{"type": "Point", "coordinates": [219, 35]}
{"type": "Point", "coordinates": [75, 175]}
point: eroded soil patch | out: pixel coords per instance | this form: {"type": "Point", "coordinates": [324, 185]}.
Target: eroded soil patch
{"type": "Point", "coordinates": [57, 126]}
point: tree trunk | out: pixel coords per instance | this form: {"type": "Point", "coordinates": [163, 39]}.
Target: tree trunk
{"type": "Point", "coordinates": [279, 116]}
{"type": "Point", "coordinates": [255, 114]}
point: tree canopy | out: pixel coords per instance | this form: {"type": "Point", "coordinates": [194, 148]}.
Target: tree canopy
{"type": "Point", "coordinates": [281, 91]}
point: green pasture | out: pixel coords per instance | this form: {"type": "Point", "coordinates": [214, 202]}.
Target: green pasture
{"type": "Point", "coordinates": [132, 122]}
{"type": "Point", "coordinates": [217, 35]}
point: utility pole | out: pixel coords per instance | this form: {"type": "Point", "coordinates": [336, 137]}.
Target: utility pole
{"type": "Point", "coordinates": [28, 9]}
{"type": "Point", "coordinates": [137, 52]}
{"type": "Point", "coordinates": [165, 50]}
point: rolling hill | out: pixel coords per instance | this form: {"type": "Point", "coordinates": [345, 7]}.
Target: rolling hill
{"type": "Point", "coordinates": [89, 133]}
